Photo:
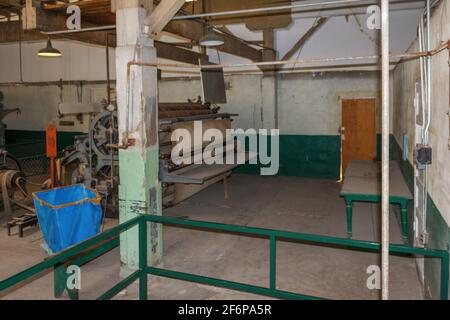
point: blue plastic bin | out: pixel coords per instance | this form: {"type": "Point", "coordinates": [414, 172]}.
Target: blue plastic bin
{"type": "Point", "coordinates": [68, 215]}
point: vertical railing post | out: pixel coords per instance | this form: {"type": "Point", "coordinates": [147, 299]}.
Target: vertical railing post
{"type": "Point", "coordinates": [273, 262]}
{"type": "Point", "coordinates": [143, 259]}
{"type": "Point", "coordinates": [444, 276]}
{"type": "Point", "coordinates": [385, 149]}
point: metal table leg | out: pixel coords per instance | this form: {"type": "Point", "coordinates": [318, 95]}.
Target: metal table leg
{"type": "Point", "coordinates": [404, 218]}
{"type": "Point", "coordinates": [349, 209]}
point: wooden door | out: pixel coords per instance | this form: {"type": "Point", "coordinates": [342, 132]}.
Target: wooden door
{"type": "Point", "coordinates": [358, 130]}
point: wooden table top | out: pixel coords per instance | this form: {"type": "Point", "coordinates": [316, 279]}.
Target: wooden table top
{"type": "Point", "coordinates": [364, 177]}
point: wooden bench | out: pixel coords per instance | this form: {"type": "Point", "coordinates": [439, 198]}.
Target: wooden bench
{"type": "Point", "coordinates": [362, 182]}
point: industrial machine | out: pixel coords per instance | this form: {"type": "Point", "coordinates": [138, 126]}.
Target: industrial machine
{"type": "Point", "coordinates": [3, 113]}
{"type": "Point", "coordinates": [182, 181]}
{"type": "Point", "coordinates": [14, 194]}
{"type": "Point", "coordinates": [95, 160]}
{"type": "Point", "coordinates": [94, 157]}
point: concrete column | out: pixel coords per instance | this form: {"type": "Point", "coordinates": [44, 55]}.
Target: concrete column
{"type": "Point", "coordinates": [137, 99]}
{"type": "Point", "coordinates": [269, 83]}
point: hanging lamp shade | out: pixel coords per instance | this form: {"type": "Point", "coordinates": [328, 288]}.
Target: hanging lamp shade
{"type": "Point", "coordinates": [49, 51]}
{"type": "Point", "coordinates": [211, 39]}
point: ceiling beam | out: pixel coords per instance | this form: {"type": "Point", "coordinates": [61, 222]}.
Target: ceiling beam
{"type": "Point", "coordinates": [269, 54]}
{"type": "Point", "coordinates": [161, 15]}
{"type": "Point", "coordinates": [10, 31]}
{"type": "Point", "coordinates": [49, 20]}
{"type": "Point", "coordinates": [194, 30]}
{"type": "Point", "coordinates": [172, 52]}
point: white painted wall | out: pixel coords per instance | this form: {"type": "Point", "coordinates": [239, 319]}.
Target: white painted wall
{"type": "Point", "coordinates": [39, 106]}
{"type": "Point", "coordinates": [405, 75]}
{"type": "Point", "coordinates": [308, 103]}
{"type": "Point", "coordinates": [78, 62]}
{"type": "Point", "coordinates": [297, 95]}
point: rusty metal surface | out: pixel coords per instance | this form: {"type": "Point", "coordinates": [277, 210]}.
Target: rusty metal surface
{"type": "Point", "coordinates": [182, 109]}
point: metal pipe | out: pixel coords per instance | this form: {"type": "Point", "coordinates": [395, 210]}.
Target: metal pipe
{"type": "Point", "coordinates": [277, 8]}
{"type": "Point", "coordinates": [108, 78]}
{"type": "Point", "coordinates": [110, 27]}
{"type": "Point", "coordinates": [427, 127]}
{"type": "Point", "coordinates": [422, 76]}
{"type": "Point", "coordinates": [385, 150]}
{"type": "Point", "coordinates": [51, 83]}
{"type": "Point", "coordinates": [283, 62]}
{"type": "Point", "coordinates": [423, 95]}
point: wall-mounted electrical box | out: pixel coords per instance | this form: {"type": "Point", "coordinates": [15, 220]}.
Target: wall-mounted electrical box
{"type": "Point", "coordinates": [422, 156]}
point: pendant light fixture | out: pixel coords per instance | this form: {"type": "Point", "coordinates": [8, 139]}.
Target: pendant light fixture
{"type": "Point", "coordinates": [49, 51]}
{"type": "Point", "coordinates": [211, 39]}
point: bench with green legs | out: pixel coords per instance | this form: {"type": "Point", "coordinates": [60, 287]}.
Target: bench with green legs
{"type": "Point", "coordinates": [362, 182]}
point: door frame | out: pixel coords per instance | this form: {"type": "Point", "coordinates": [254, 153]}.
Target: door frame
{"type": "Point", "coordinates": [355, 97]}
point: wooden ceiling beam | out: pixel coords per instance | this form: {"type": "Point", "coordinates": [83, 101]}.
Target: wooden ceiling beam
{"type": "Point", "coordinates": [54, 18]}
{"type": "Point", "coordinates": [161, 15]}
{"type": "Point", "coordinates": [194, 30]}
{"type": "Point", "coordinates": [9, 32]}
{"type": "Point", "coordinates": [189, 29]}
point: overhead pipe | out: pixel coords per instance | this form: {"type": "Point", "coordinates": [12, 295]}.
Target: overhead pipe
{"type": "Point", "coordinates": [100, 28]}
{"type": "Point", "coordinates": [427, 127]}
{"type": "Point", "coordinates": [426, 86]}
{"type": "Point", "coordinates": [385, 150]}
{"type": "Point", "coordinates": [320, 6]}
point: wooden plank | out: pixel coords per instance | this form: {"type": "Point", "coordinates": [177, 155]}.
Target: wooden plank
{"type": "Point", "coordinates": [29, 16]}
{"type": "Point", "coordinates": [184, 191]}
{"type": "Point", "coordinates": [270, 53]}
{"type": "Point", "coordinates": [9, 32]}
{"type": "Point", "coordinates": [363, 177]}
{"type": "Point", "coordinates": [161, 15]}
{"type": "Point", "coordinates": [253, 21]}
{"type": "Point", "coordinates": [194, 30]}
{"type": "Point", "coordinates": [171, 52]}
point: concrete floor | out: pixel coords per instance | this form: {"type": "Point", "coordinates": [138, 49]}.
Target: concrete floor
{"type": "Point", "coordinates": [292, 204]}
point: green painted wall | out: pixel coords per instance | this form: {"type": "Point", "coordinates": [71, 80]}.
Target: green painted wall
{"type": "Point", "coordinates": [392, 144]}
{"type": "Point", "coordinates": [439, 234]}
{"type": "Point", "coordinates": [27, 143]}
{"type": "Point", "coordinates": [437, 228]}
{"type": "Point", "coordinates": [311, 156]}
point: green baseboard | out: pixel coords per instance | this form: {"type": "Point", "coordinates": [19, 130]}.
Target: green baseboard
{"type": "Point", "coordinates": [28, 143]}
{"type": "Point", "coordinates": [437, 228]}
{"type": "Point", "coordinates": [311, 156]}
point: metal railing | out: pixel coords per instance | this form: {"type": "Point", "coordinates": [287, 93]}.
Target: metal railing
{"type": "Point", "coordinates": [273, 236]}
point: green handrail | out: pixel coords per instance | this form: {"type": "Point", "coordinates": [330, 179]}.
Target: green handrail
{"type": "Point", "coordinates": [275, 235]}
{"type": "Point", "coordinates": [105, 238]}
{"type": "Point", "coordinates": [110, 235]}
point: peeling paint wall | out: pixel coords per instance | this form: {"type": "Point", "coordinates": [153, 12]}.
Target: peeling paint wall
{"type": "Point", "coordinates": [405, 75]}
{"type": "Point", "coordinates": [309, 113]}
{"type": "Point", "coordinates": [39, 105]}
{"type": "Point", "coordinates": [308, 103]}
